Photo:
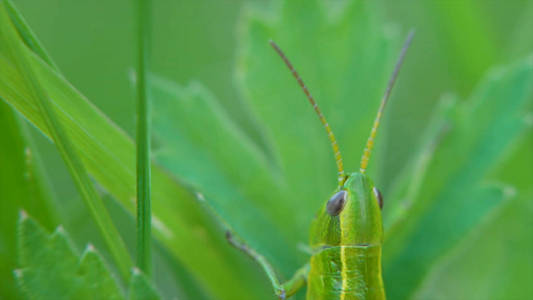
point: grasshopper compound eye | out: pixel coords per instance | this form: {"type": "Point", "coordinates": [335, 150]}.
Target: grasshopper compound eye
{"type": "Point", "coordinates": [336, 203]}
{"type": "Point", "coordinates": [378, 195]}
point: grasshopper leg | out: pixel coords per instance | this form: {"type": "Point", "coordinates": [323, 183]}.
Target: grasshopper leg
{"type": "Point", "coordinates": [282, 290]}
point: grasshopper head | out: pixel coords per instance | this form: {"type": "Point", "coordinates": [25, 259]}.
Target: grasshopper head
{"type": "Point", "coordinates": [351, 217]}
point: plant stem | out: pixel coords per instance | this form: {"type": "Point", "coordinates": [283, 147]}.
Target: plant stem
{"type": "Point", "coordinates": [143, 140]}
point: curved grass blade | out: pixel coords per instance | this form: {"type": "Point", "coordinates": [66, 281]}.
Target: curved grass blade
{"type": "Point", "coordinates": [27, 35]}
{"type": "Point", "coordinates": [77, 170]}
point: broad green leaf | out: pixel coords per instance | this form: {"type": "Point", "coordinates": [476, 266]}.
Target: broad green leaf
{"type": "Point", "coordinates": [50, 268]}
{"type": "Point", "coordinates": [443, 229]}
{"type": "Point", "coordinates": [493, 262]}
{"type": "Point", "coordinates": [47, 262]}
{"type": "Point", "coordinates": [22, 186]}
{"type": "Point", "coordinates": [453, 200]}
{"type": "Point", "coordinates": [140, 288]}
{"type": "Point", "coordinates": [108, 154]}
{"type": "Point", "coordinates": [230, 171]}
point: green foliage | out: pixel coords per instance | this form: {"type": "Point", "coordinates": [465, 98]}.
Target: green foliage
{"type": "Point", "coordinates": [231, 172]}
{"type": "Point", "coordinates": [77, 170]}
{"type": "Point", "coordinates": [271, 183]}
{"type": "Point", "coordinates": [108, 154]}
{"type": "Point", "coordinates": [432, 205]}
{"type": "Point", "coordinates": [140, 288]}
{"type": "Point", "coordinates": [492, 262]}
{"type": "Point", "coordinates": [453, 197]}
{"type": "Point", "coordinates": [452, 229]}
{"type": "Point", "coordinates": [21, 186]}
{"type": "Point", "coordinates": [50, 268]}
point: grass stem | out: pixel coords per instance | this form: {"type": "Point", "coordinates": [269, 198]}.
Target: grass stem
{"type": "Point", "coordinates": [143, 139]}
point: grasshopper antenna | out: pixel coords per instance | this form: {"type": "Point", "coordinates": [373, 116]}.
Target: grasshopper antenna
{"type": "Point", "coordinates": [331, 136]}
{"type": "Point", "coordinates": [384, 100]}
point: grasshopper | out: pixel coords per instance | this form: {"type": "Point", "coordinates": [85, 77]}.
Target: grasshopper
{"type": "Point", "coordinates": [347, 234]}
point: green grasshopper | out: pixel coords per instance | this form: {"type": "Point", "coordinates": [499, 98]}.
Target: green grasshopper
{"type": "Point", "coordinates": [347, 234]}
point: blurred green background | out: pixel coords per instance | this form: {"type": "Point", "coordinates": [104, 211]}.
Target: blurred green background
{"type": "Point", "coordinates": [92, 42]}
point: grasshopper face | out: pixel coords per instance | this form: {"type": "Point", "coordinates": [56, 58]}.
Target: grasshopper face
{"type": "Point", "coordinates": [351, 217]}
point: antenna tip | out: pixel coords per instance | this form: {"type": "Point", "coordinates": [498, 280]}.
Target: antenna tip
{"type": "Point", "coordinates": [274, 45]}
{"type": "Point", "coordinates": [410, 36]}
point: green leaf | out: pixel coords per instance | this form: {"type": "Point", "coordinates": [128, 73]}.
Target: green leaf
{"type": "Point", "coordinates": [231, 172]}
{"type": "Point", "coordinates": [109, 156]}
{"type": "Point", "coordinates": [140, 288]}
{"type": "Point", "coordinates": [96, 277]}
{"type": "Point", "coordinates": [21, 186]}
{"type": "Point", "coordinates": [493, 262]}
{"type": "Point", "coordinates": [50, 268]}
{"type": "Point", "coordinates": [453, 199]}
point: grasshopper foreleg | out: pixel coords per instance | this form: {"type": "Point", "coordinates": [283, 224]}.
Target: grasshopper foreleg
{"type": "Point", "coordinates": [282, 290]}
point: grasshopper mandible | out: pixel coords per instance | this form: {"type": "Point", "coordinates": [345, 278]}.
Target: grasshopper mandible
{"type": "Point", "coordinates": [347, 234]}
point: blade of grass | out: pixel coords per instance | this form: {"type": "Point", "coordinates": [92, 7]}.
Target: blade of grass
{"type": "Point", "coordinates": [77, 170]}
{"type": "Point", "coordinates": [143, 140]}
{"type": "Point", "coordinates": [27, 35]}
